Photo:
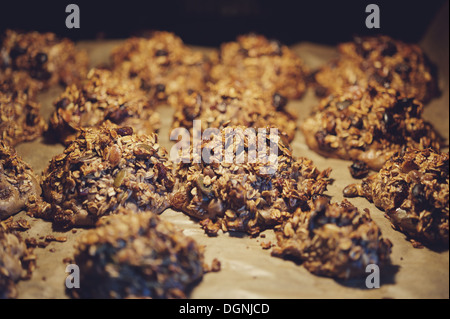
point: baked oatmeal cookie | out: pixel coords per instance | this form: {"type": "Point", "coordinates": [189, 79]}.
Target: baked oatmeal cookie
{"type": "Point", "coordinates": [412, 189]}
{"type": "Point", "coordinates": [20, 118]}
{"type": "Point", "coordinates": [45, 57]}
{"type": "Point", "coordinates": [18, 82]}
{"type": "Point", "coordinates": [104, 169]}
{"type": "Point", "coordinates": [15, 261]}
{"type": "Point", "coordinates": [253, 58]}
{"type": "Point", "coordinates": [369, 125]}
{"type": "Point", "coordinates": [101, 97]}
{"type": "Point", "coordinates": [229, 103]}
{"type": "Point", "coordinates": [233, 182]}
{"type": "Point", "coordinates": [17, 182]}
{"type": "Point", "coordinates": [136, 256]}
{"type": "Point", "coordinates": [162, 65]}
{"type": "Point", "coordinates": [334, 240]}
{"type": "Point", "coordinates": [380, 61]}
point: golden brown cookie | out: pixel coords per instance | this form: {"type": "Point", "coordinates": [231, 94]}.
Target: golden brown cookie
{"type": "Point", "coordinates": [369, 125]}
{"type": "Point", "coordinates": [412, 188]}
{"type": "Point", "coordinates": [46, 58]}
{"type": "Point", "coordinates": [104, 169]}
{"type": "Point", "coordinates": [102, 97]}
{"type": "Point", "coordinates": [379, 61]}
{"type": "Point", "coordinates": [136, 256]}
{"type": "Point", "coordinates": [162, 65]}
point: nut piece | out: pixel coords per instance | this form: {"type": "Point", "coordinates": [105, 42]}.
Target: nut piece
{"type": "Point", "coordinates": [136, 256]}
{"type": "Point", "coordinates": [381, 62]}
{"type": "Point", "coordinates": [102, 97]}
{"type": "Point", "coordinates": [368, 125]}
{"type": "Point", "coordinates": [413, 189]}
{"type": "Point", "coordinates": [104, 169]}
{"type": "Point", "coordinates": [334, 240]}
{"type": "Point", "coordinates": [17, 182]}
{"type": "Point", "coordinates": [233, 191]}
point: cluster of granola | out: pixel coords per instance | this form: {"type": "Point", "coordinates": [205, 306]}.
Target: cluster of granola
{"type": "Point", "coordinates": [245, 192]}
{"type": "Point", "coordinates": [44, 57]}
{"type": "Point", "coordinates": [333, 240]}
{"type": "Point", "coordinates": [412, 189]}
{"type": "Point", "coordinates": [102, 97]}
{"type": "Point", "coordinates": [15, 259]}
{"type": "Point", "coordinates": [381, 62]}
{"type": "Point", "coordinates": [20, 118]}
{"type": "Point", "coordinates": [229, 103]}
{"type": "Point", "coordinates": [253, 58]}
{"type": "Point", "coordinates": [103, 169]}
{"type": "Point", "coordinates": [162, 65]}
{"type": "Point", "coordinates": [367, 124]}
{"type": "Point", "coordinates": [132, 255]}
{"type": "Point", "coordinates": [17, 182]}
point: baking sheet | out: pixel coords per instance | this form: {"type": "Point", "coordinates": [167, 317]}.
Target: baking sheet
{"type": "Point", "coordinates": [248, 270]}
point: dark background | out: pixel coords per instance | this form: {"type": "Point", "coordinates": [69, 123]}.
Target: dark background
{"type": "Point", "coordinates": [210, 22]}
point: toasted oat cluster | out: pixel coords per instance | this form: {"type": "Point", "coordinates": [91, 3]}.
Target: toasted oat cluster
{"type": "Point", "coordinates": [229, 103]}
{"type": "Point", "coordinates": [46, 58]}
{"type": "Point", "coordinates": [379, 61]}
{"type": "Point", "coordinates": [20, 118]}
{"type": "Point", "coordinates": [18, 81]}
{"type": "Point", "coordinates": [162, 65]}
{"type": "Point", "coordinates": [17, 182]}
{"type": "Point", "coordinates": [231, 184]}
{"type": "Point", "coordinates": [104, 169]}
{"type": "Point", "coordinates": [412, 189]}
{"type": "Point", "coordinates": [334, 240]}
{"type": "Point", "coordinates": [253, 58]}
{"type": "Point", "coordinates": [101, 97]}
{"type": "Point", "coordinates": [369, 125]}
{"type": "Point", "coordinates": [136, 256]}
{"type": "Point", "coordinates": [13, 251]}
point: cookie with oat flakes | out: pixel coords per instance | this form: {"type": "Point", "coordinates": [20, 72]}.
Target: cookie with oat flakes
{"type": "Point", "coordinates": [17, 182]}
{"type": "Point", "coordinates": [243, 185]}
{"type": "Point", "coordinates": [368, 125]}
{"type": "Point", "coordinates": [136, 256]}
{"type": "Point", "coordinates": [101, 97]}
{"type": "Point", "coordinates": [46, 58]}
{"type": "Point", "coordinates": [101, 170]}
{"type": "Point", "coordinates": [253, 58]}
{"type": "Point", "coordinates": [162, 65]}
{"type": "Point", "coordinates": [412, 188]}
{"type": "Point", "coordinates": [334, 240]}
{"type": "Point", "coordinates": [380, 61]}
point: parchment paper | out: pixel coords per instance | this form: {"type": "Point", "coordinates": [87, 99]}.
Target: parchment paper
{"type": "Point", "coordinates": [248, 270]}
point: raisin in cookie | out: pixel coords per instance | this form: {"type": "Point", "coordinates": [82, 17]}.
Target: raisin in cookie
{"type": "Point", "coordinates": [380, 61]}
{"type": "Point", "coordinates": [104, 169]}
{"type": "Point", "coordinates": [45, 57]}
{"type": "Point", "coordinates": [334, 240]}
{"type": "Point", "coordinates": [136, 256]}
{"type": "Point", "coordinates": [229, 103]}
{"type": "Point", "coordinates": [162, 65]}
{"type": "Point", "coordinates": [101, 97]}
{"type": "Point", "coordinates": [369, 125]}
{"type": "Point", "coordinates": [412, 189]}
{"type": "Point", "coordinates": [253, 58]}
{"type": "Point", "coordinates": [233, 182]}
{"type": "Point", "coordinates": [17, 182]}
